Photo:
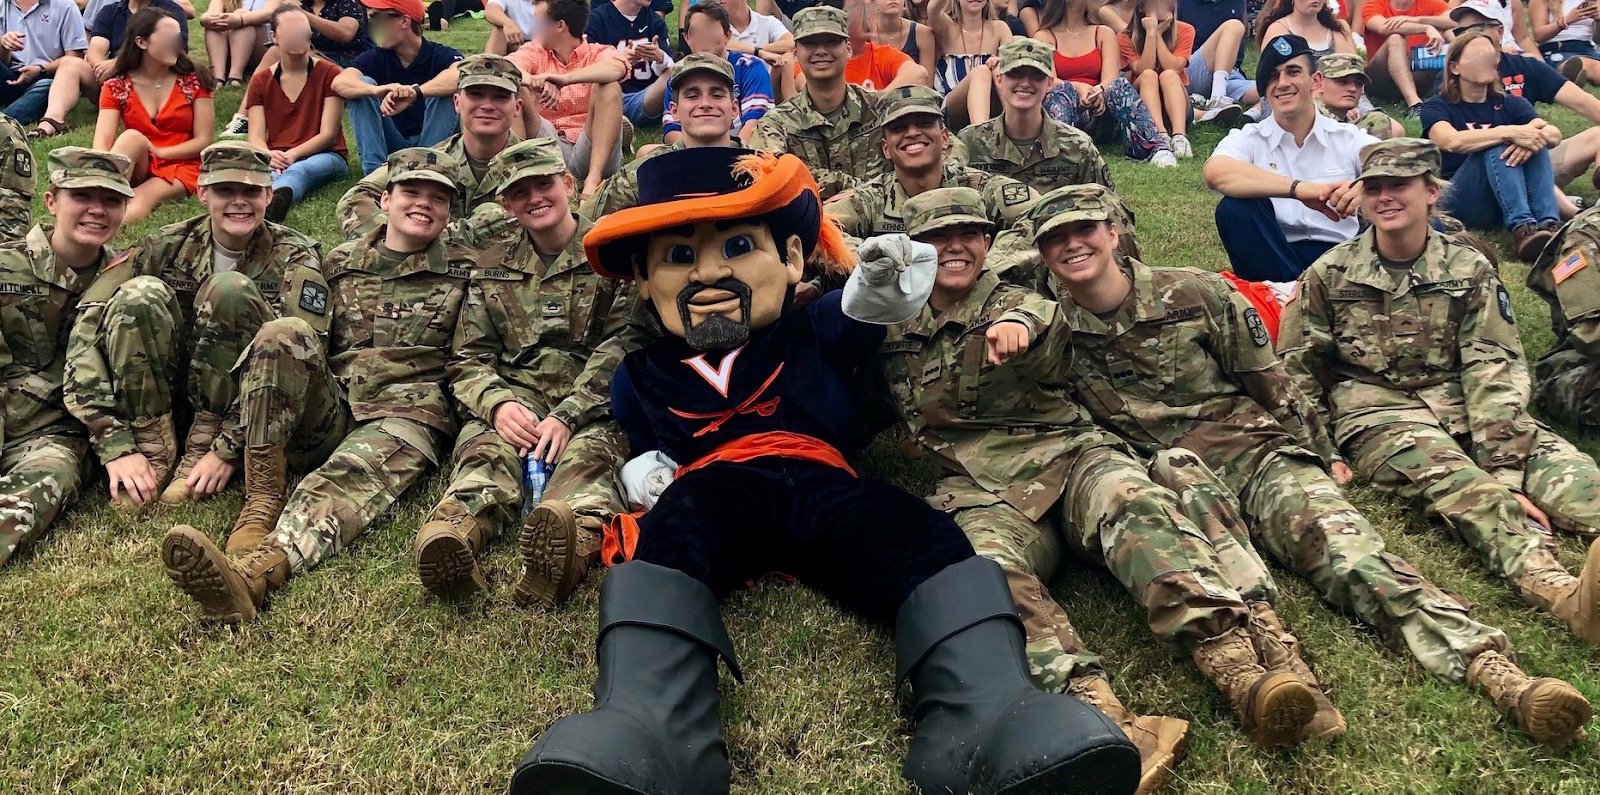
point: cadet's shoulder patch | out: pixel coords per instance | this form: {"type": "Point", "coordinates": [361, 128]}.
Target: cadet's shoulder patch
{"type": "Point", "coordinates": [314, 298]}
{"type": "Point", "coordinates": [1258, 329]}
{"type": "Point", "coordinates": [22, 163]}
{"type": "Point", "coordinates": [1573, 262]}
{"type": "Point", "coordinates": [1504, 299]}
{"type": "Point", "coordinates": [1014, 194]}
{"type": "Point", "coordinates": [118, 260]}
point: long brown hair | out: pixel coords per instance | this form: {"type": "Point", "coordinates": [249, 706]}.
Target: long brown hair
{"type": "Point", "coordinates": [141, 26]}
{"type": "Point", "coordinates": [1283, 8]}
{"type": "Point", "coordinates": [1452, 81]}
{"type": "Point", "coordinates": [1136, 28]}
{"type": "Point", "coordinates": [1054, 13]}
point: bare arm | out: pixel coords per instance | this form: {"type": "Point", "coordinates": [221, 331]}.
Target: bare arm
{"type": "Point", "coordinates": [106, 127]}
{"type": "Point", "coordinates": [610, 70]}
{"type": "Point", "coordinates": [348, 84]}
{"type": "Point", "coordinates": [1465, 142]}
{"type": "Point", "coordinates": [1577, 100]}
{"type": "Point", "coordinates": [910, 74]}
{"type": "Point", "coordinates": [205, 131]}
{"type": "Point", "coordinates": [258, 125]}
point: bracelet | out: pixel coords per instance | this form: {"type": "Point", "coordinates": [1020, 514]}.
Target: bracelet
{"type": "Point", "coordinates": [1293, 185]}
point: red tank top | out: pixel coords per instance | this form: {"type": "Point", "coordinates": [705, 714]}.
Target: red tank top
{"type": "Point", "coordinates": [1083, 68]}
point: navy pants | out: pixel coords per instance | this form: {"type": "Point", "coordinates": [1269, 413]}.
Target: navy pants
{"type": "Point", "coordinates": [1257, 249]}
{"type": "Point", "coordinates": [863, 543]}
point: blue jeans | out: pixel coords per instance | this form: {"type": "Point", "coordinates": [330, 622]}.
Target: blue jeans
{"type": "Point", "coordinates": [1257, 249]}
{"type": "Point", "coordinates": [26, 105]}
{"type": "Point", "coordinates": [633, 108]}
{"type": "Point", "coordinates": [308, 174]}
{"type": "Point", "coordinates": [1522, 194]}
{"type": "Point", "coordinates": [377, 137]}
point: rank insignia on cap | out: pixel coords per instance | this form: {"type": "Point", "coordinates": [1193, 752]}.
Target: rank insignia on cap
{"type": "Point", "coordinates": [1570, 264]}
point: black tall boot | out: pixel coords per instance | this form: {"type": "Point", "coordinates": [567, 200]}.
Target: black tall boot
{"type": "Point", "coordinates": [982, 727]}
{"type": "Point", "coordinates": [654, 729]}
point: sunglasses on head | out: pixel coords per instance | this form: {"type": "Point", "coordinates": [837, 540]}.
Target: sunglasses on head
{"type": "Point", "coordinates": [1462, 31]}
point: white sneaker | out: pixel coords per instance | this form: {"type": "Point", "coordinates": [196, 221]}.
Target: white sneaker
{"type": "Point", "coordinates": [1163, 159]}
{"type": "Point", "coordinates": [1181, 147]}
{"type": "Point", "coordinates": [238, 126]}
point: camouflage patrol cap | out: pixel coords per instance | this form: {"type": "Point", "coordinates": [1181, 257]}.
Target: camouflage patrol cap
{"type": "Point", "coordinates": [1399, 157]}
{"type": "Point", "coordinates": [535, 157]}
{"type": "Point", "coordinates": [235, 161]}
{"type": "Point", "coordinates": [911, 101]}
{"type": "Point", "coordinates": [1025, 52]}
{"type": "Point", "coordinates": [944, 207]}
{"type": "Point", "coordinates": [700, 62]}
{"type": "Point", "coordinates": [488, 69]}
{"type": "Point", "coordinates": [1064, 205]}
{"type": "Point", "coordinates": [820, 21]}
{"type": "Point", "coordinates": [419, 163]}
{"type": "Point", "coordinates": [1341, 64]}
{"type": "Point", "coordinates": [80, 167]}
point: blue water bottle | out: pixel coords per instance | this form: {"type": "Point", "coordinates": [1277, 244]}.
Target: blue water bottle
{"type": "Point", "coordinates": [534, 475]}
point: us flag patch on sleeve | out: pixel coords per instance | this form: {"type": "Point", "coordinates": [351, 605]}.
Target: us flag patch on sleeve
{"type": "Point", "coordinates": [1573, 262]}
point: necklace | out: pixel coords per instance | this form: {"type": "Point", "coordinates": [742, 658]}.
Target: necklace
{"type": "Point", "coordinates": [156, 84]}
{"type": "Point", "coordinates": [893, 36]}
{"type": "Point", "coordinates": [983, 31]}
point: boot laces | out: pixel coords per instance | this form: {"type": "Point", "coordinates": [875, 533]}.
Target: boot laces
{"type": "Point", "coordinates": [260, 504]}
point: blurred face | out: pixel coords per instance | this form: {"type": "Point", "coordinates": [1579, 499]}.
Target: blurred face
{"type": "Point", "coordinates": [916, 142]}
{"type": "Point", "coordinates": [165, 42]}
{"type": "Point", "coordinates": [417, 209]}
{"type": "Point", "coordinates": [713, 283]}
{"type": "Point", "coordinates": [1479, 64]}
{"type": "Point", "coordinates": [1396, 204]}
{"type": "Point", "coordinates": [1340, 93]}
{"type": "Point", "coordinates": [544, 30]}
{"type": "Point", "coordinates": [292, 34]}
{"type": "Point", "coordinates": [889, 7]}
{"type": "Point", "coordinates": [704, 107]}
{"type": "Point", "coordinates": [387, 28]}
{"type": "Point", "coordinates": [1309, 7]}
{"type": "Point", "coordinates": [822, 57]}
{"type": "Point", "coordinates": [1022, 88]}
{"type": "Point", "coordinates": [539, 203]}
{"type": "Point", "coordinates": [89, 217]}
{"type": "Point", "coordinates": [705, 34]}
{"type": "Point", "coordinates": [1289, 90]}
{"type": "Point", "coordinates": [1163, 10]}
{"type": "Point", "coordinates": [961, 252]}
{"type": "Point", "coordinates": [1081, 252]}
{"type": "Point", "coordinates": [486, 110]}
{"type": "Point", "coordinates": [236, 209]}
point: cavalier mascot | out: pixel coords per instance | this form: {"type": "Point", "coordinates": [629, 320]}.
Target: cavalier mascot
{"type": "Point", "coordinates": [753, 392]}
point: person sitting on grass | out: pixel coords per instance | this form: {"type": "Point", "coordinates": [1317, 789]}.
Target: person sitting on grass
{"type": "Point", "coordinates": [511, 23]}
{"type": "Point", "coordinates": [236, 37]}
{"type": "Point", "coordinates": [968, 34]}
{"type": "Point", "coordinates": [39, 35]}
{"type": "Point", "coordinates": [296, 115]}
{"type": "Point", "coordinates": [1156, 48]}
{"type": "Point", "coordinates": [1340, 87]}
{"type": "Point", "coordinates": [1091, 83]}
{"type": "Point", "coordinates": [381, 85]}
{"type": "Point", "coordinates": [1405, 45]}
{"type": "Point", "coordinates": [707, 32]}
{"type": "Point", "coordinates": [1214, 72]}
{"type": "Point", "coordinates": [156, 110]}
{"type": "Point", "coordinates": [1565, 32]}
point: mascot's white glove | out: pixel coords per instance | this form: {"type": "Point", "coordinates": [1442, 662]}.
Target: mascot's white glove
{"type": "Point", "coordinates": [892, 280]}
{"type": "Point", "coordinates": [645, 477]}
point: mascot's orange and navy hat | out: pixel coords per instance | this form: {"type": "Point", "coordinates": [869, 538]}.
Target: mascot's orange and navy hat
{"type": "Point", "coordinates": [717, 183]}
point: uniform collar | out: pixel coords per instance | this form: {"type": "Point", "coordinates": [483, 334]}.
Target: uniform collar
{"type": "Point", "coordinates": [1140, 305]}
{"type": "Point", "coordinates": [47, 269]}
{"type": "Point", "coordinates": [1428, 269]}
{"type": "Point", "coordinates": [1274, 134]}
{"type": "Point", "coordinates": [854, 108]}
{"type": "Point", "coordinates": [966, 314]}
{"type": "Point", "coordinates": [432, 259]}
{"type": "Point", "coordinates": [257, 250]}
{"type": "Point", "coordinates": [524, 258]}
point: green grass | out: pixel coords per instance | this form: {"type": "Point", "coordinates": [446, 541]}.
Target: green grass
{"type": "Point", "coordinates": [353, 681]}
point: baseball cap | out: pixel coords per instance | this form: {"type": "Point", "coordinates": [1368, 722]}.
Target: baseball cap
{"type": "Point", "coordinates": [911, 101]}
{"type": "Point", "coordinates": [820, 21]}
{"type": "Point", "coordinates": [1341, 64]}
{"type": "Point", "coordinates": [81, 167]}
{"type": "Point", "coordinates": [235, 161]}
{"type": "Point", "coordinates": [1064, 205]}
{"type": "Point", "coordinates": [535, 157]}
{"type": "Point", "coordinates": [410, 9]}
{"type": "Point", "coordinates": [1025, 52]}
{"type": "Point", "coordinates": [1400, 157]}
{"type": "Point", "coordinates": [698, 62]}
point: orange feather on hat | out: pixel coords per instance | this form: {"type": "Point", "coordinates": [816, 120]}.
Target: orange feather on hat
{"type": "Point", "coordinates": [833, 254]}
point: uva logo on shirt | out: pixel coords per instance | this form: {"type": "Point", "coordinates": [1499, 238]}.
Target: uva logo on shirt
{"type": "Point", "coordinates": [1514, 84]}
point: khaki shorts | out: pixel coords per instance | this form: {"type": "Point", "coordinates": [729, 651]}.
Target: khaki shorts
{"type": "Point", "coordinates": [577, 154]}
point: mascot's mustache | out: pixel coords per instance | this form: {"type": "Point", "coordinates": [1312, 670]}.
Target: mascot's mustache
{"type": "Point", "coordinates": [716, 332]}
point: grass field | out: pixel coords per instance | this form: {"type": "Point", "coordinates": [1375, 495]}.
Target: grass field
{"type": "Point", "coordinates": [354, 681]}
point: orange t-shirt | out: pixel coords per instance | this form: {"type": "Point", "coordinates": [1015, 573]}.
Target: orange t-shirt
{"type": "Point", "coordinates": [1382, 8]}
{"type": "Point", "coordinates": [876, 67]}
{"type": "Point", "coordinates": [1183, 48]}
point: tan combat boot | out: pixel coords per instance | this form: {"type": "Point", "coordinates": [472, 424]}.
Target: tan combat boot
{"type": "Point", "coordinates": [447, 556]}
{"type": "Point", "coordinates": [1280, 651]}
{"type": "Point", "coordinates": [229, 590]}
{"type": "Point", "coordinates": [1547, 585]}
{"type": "Point", "coordinates": [1273, 708]}
{"type": "Point", "coordinates": [1161, 740]}
{"type": "Point", "coordinates": [266, 476]}
{"type": "Point", "coordinates": [556, 553]}
{"type": "Point", "coordinates": [1548, 709]}
{"type": "Point", "coordinates": [202, 432]}
{"type": "Point", "coordinates": [156, 440]}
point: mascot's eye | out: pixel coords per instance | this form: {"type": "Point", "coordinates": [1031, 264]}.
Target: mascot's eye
{"type": "Point", "coordinates": [680, 255]}
{"type": "Point", "coordinates": [737, 246]}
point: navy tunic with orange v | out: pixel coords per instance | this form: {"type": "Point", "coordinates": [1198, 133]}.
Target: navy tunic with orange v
{"type": "Point", "coordinates": [763, 486]}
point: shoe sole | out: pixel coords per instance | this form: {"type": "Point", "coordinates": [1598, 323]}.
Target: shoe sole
{"type": "Point", "coordinates": [1077, 774]}
{"type": "Point", "coordinates": [448, 568]}
{"type": "Point", "coordinates": [1283, 705]}
{"type": "Point", "coordinates": [1228, 115]}
{"type": "Point", "coordinates": [548, 543]}
{"type": "Point", "coordinates": [204, 573]}
{"type": "Point", "coordinates": [1555, 712]}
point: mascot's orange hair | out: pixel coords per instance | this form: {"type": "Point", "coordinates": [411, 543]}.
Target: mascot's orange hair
{"type": "Point", "coordinates": [832, 255]}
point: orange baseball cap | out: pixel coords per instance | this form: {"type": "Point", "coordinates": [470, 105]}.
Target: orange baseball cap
{"type": "Point", "coordinates": [411, 9]}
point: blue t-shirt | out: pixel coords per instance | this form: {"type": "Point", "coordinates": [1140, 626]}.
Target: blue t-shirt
{"type": "Point", "coordinates": [383, 66]}
{"type": "Point", "coordinates": [112, 22]}
{"type": "Point", "coordinates": [1496, 112]}
{"type": "Point", "coordinates": [1208, 15]}
{"type": "Point", "coordinates": [1521, 76]}
{"type": "Point", "coordinates": [752, 90]}
{"type": "Point", "coordinates": [607, 25]}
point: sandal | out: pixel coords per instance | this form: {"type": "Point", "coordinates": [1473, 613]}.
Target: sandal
{"type": "Point", "coordinates": [56, 128]}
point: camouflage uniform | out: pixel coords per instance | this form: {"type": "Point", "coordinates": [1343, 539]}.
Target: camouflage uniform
{"type": "Point", "coordinates": [1024, 466]}
{"type": "Point", "coordinates": [42, 448]}
{"type": "Point", "coordinates": [377, 397]}
{"type": "Point", "coordinates": [16, 180]}
{"type": "Point", "coordinates": [1185, 362]}
{"type": "Point", "coordinates": [358, 210]}
{"type": "Point", "coordinates": [1338, 65]}
{"type": "Point", "coordinates": [547, 334]}
{"type": "Point", "coordinates": [164, 329]}
{"type": "Point", "coordinates": [1566, 382]}
{"type": "Point", "coordinates": [1063, 155]}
